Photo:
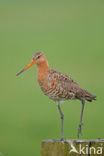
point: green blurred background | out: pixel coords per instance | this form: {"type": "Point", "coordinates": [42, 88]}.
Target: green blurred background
{"type": "Point", "coordinates": [71, 34]}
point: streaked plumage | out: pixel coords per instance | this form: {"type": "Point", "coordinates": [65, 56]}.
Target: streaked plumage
{"type": "Point", "coordinates": [60, 87]}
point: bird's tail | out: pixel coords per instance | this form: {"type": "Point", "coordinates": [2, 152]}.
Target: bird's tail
{"type": "Point", "coordinates": [88, 96]}
{"type": "Point", "coordinates": [84, 94]}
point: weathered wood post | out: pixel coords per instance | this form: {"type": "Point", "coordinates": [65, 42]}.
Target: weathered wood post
{"type": "Point", "coordinates": [72, 148]}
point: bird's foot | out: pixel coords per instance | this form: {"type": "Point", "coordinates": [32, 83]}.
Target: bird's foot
{"type": "Point", "coordinates": [79, 129]}
{"type": "Point", "coordinates": [62, 139]}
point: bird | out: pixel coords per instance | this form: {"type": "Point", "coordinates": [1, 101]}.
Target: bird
{"type": "Point", "coordinates": [58, 87]}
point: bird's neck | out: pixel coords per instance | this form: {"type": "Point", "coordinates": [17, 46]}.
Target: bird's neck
{"type": "Point", "coordinates": [43, 68]}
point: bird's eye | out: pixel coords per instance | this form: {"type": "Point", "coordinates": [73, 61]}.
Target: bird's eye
{"type": "Point", "coordinates": [38, 57]}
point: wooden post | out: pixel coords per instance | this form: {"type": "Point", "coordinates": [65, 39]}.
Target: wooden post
{"type": "Point", "coordinates": [72, 148]}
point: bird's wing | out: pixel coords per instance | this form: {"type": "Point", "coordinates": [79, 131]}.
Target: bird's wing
{"type": "Point", "coordinates": [65, 84]}
{"type": "Point", "coordinates": [69, 88]}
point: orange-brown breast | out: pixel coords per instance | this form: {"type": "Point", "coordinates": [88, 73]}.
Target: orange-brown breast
{"type": "Point", "coordinates": [51, 86]}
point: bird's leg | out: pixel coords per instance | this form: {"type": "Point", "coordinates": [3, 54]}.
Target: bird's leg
{"type": "Point", "coordinates": [62, 118]}
{"type": "Point", "coordinates": [80, 124]}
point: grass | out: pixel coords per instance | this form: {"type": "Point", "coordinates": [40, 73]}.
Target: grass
{"type": "Point", "coordinates": [71, 35]}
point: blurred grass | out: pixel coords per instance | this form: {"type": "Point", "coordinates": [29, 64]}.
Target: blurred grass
{"type": "Point", "coordinates": [71, 34]}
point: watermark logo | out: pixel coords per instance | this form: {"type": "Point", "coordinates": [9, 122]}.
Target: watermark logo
{"type": "Point", "coordinates": [86, 149]}
{"type": "Point", "coordinates": [73, 149]}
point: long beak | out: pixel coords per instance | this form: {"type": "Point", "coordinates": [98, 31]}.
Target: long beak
{"type": "Point", "coordinates": [28, 66]}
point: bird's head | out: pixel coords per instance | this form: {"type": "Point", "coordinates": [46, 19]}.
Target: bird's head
{"type": "Point", "coordinates": [39, 59]}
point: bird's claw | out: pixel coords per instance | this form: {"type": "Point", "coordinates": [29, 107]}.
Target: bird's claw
{"type": "Point", "coordinates": [62, 139]}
